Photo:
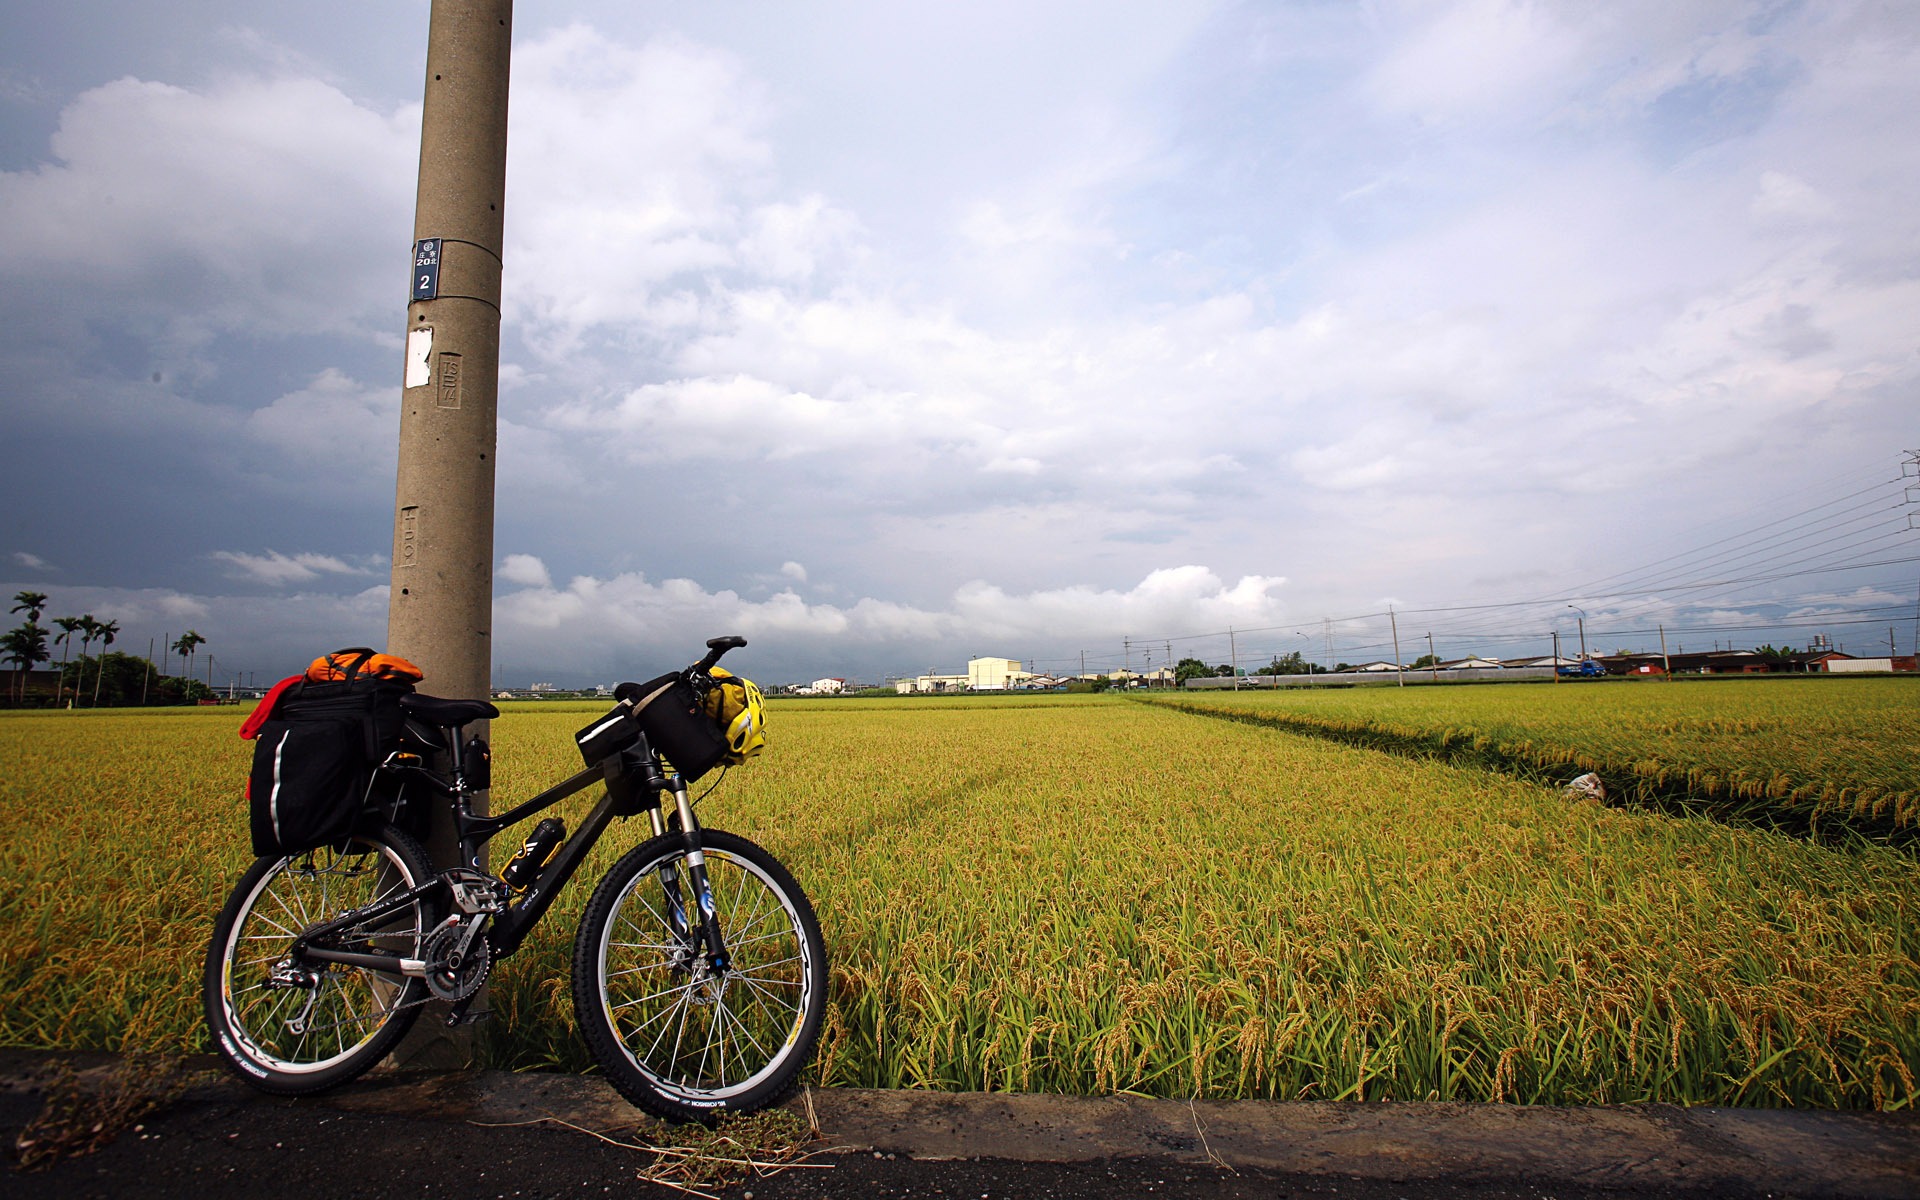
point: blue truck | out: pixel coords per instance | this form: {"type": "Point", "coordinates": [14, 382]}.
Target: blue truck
{"type": "Point", "coordinates": [1586, 668]}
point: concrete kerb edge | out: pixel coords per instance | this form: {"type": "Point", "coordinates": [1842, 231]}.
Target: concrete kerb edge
{"type": "Point", "coordinates": [1628, 1147]}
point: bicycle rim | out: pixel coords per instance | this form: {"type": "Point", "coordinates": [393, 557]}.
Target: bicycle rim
{"type": "Point", "coordinates": [298, 1030]}
{"type": "Point", "coordinates": [706, 1041]}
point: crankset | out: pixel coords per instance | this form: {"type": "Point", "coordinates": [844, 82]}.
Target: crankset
{"type": "Point", "coordinates": [458, 960]}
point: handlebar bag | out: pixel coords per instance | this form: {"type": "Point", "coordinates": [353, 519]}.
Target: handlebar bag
{"type": "Point", "coordinates": [678, 726]}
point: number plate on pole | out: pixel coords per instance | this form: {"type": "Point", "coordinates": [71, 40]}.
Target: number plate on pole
{"type": "Point", "coordinates": [426, 268]}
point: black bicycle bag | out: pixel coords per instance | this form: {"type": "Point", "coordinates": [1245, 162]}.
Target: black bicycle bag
{"type": "Point", "coordinates": [313, 759]}
{"type": "Point", "coordinates": [674, 721]}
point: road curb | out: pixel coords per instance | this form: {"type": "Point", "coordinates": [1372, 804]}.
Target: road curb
{"type": "Point", "coordinates": [1629, 1148]}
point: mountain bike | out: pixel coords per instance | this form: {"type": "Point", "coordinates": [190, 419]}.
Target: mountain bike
{"type": "Point", "coordinates": [699, 975]}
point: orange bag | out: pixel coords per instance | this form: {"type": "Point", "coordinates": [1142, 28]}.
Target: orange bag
{"type": "Point", "coordinates": [361, 662]}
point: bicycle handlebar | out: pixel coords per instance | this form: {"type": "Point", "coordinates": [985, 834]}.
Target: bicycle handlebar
{"type": "Point", "coordinates": [716, 647]}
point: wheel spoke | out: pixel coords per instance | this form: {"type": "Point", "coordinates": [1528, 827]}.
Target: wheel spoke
{"type": "Point", "coordinates": [681, 988]}
{"type": "Point", "coordinates": [735, 943]}
{"type": "Point", "coordinates": [706, 1047]}
{"type": "Point", "coordinates": [741, 1027]}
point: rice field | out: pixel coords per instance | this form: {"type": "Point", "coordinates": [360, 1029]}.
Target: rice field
{"type": "Point", "coordinates": [1802, 752]}
{"type": "Point", "coordinates": [1092, 896]}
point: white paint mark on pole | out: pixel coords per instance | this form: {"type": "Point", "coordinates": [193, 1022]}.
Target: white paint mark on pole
{"type": "Point", "coordinates": [419, 351]}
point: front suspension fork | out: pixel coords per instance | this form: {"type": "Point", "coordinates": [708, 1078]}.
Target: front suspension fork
{"type": "Point", "coordinates": [706, 925]}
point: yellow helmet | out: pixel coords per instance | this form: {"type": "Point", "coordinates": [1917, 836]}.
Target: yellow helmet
{"type": "Point", "coordinates": [735, 704]}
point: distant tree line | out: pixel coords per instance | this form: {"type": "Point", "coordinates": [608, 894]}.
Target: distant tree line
{"type": "Point", "coordinates": [109, 679]}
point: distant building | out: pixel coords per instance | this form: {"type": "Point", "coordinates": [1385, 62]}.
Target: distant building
{"type": "Point", "coordinates": [1841, 664]}
{"type": "Point", "coordinates": [993, 674]}
{"type": "Point", "coordinates": [983, 675]}
{"type": "Point", "coordinates": [1158, 677]}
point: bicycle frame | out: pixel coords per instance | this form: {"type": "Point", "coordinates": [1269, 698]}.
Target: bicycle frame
{"type": "Point", "coordinates": [634, 780]}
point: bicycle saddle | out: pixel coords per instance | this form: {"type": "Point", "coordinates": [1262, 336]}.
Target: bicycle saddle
{"type": "Point", "coordinates": [445, 713]}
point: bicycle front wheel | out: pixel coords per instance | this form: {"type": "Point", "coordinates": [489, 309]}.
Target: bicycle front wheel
{"type": "Point", "coordinates": [680, 1037]}
{"type": "Point", "coordinates": [291, 1028]}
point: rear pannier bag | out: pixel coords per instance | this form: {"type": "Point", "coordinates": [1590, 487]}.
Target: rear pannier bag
{"type": "Point", "coordinates": [315, 747]}
{"type": "Point", "coordinates": [308, 782]}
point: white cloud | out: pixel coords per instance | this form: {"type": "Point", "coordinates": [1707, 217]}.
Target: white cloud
{"type": "Point", "coordinates": [33, 562]}
{"type": "Point", "coordinates": [629, 617]}
{"type": "Point", "coordinates": [633, 168]}
{"type": "Point", "coordinates": [336, 430]}
{"type": "Point", "coordinates": [174, 606]}
{"type": "Point", "coordinates": [280, 569]}
{"type": "Point", "coordinates": [787, 241]}
{"type": "Point", "coordinates": [1482, 58]}
{"type": "Point", "coordinates": [525, 570]}
{"type": "Point", "coordinates": [246, 204]}
{"type": "Point", "coordinates": [794, 571]}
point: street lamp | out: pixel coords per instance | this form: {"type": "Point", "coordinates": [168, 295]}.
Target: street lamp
{"type": "Point", "coordinates": [1298, 634]}
{"type": "Point", "coordinates": [1583, 630]}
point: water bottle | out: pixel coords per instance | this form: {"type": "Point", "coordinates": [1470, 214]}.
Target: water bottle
{"type": "Point", "coordinates": [541, 844]}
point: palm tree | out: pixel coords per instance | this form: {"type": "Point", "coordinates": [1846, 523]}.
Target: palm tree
{"type": "Point", "coordinates": [188, 642]}
{"type": "Point", "coordinates": [105, 631]}
{"type": "Point", "coordinates": [89, 629]}
{"type": "Point", "coordinates": [68, 627]}
{"type": "Point", "coordinates": [29, 603]}
{"type": "Point", "coordinates": [24, 646]}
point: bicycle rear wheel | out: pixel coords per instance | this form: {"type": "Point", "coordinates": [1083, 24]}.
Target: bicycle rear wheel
{"type": "Point", "coordinates": [678, 1037]}
{"type": "Point", "coordinates": [292, 1029]}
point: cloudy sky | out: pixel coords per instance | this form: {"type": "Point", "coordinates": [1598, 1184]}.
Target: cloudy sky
{"type": "Point", "coordinates": [1009, 328]}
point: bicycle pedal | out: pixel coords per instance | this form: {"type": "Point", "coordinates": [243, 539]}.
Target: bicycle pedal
{"type": "Point", "coordinates": [455, 1020]}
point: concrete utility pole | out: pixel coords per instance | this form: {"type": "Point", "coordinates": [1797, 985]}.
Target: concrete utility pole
{"type": "Point", "coordinates": [440, 614]}
{"type": "Point", "coordinates": [441, 611]}
{"type": "Point", "coordinates": [1399, 669]}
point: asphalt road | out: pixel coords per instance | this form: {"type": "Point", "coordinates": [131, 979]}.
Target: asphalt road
{"type": "Point", "coordinates": [469, 1136]}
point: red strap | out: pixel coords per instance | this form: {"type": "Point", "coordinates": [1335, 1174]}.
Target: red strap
{"type": "Point", "coordinates": [263, 711]}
